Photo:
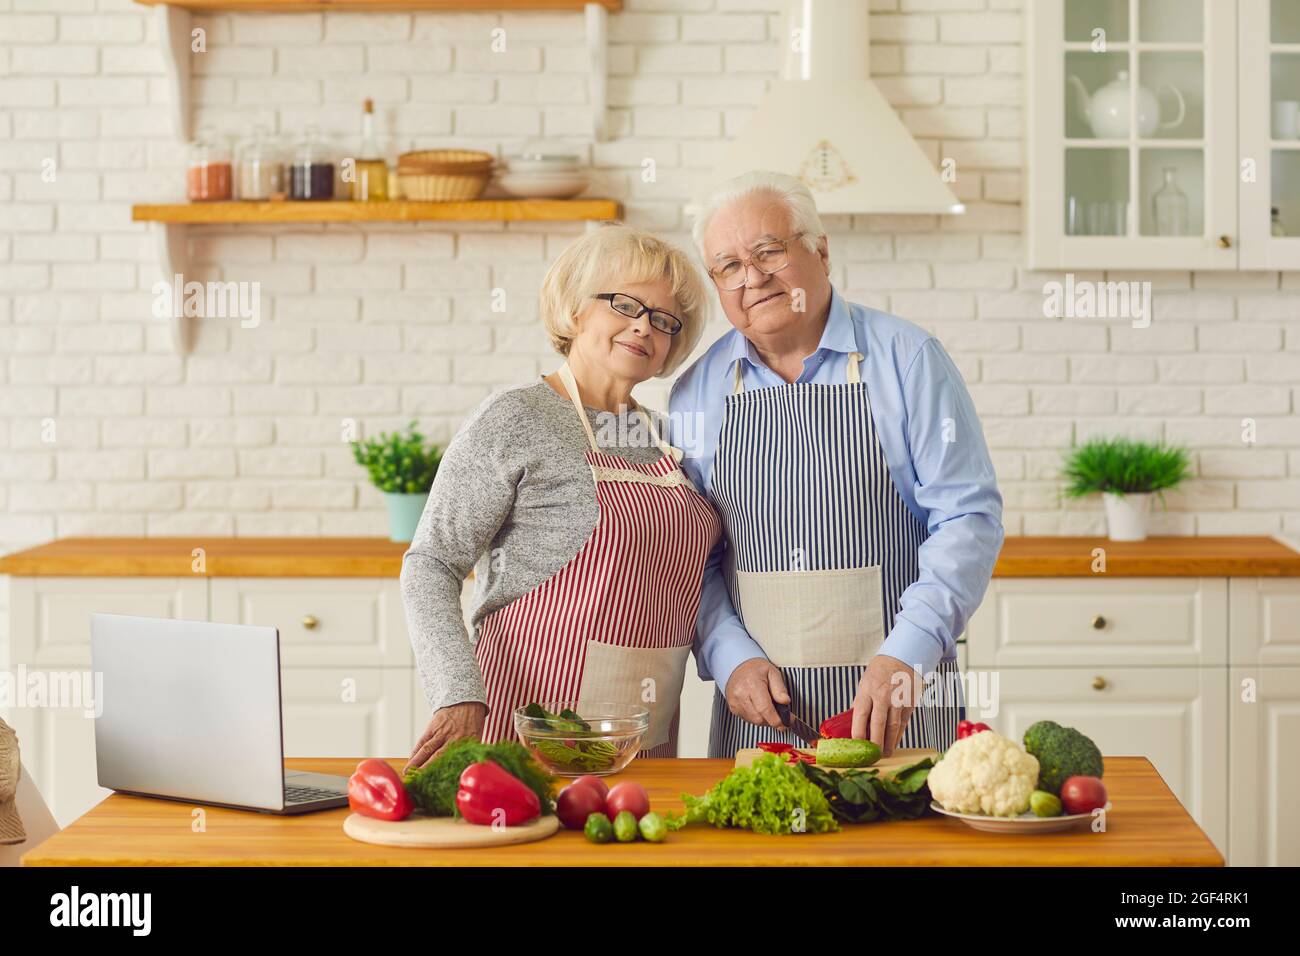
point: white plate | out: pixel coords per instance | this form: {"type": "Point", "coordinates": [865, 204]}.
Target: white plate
{"type": "Point", "coordinates": [543, 185]}
{"type": "Point", "coordinates": [1025, 823]}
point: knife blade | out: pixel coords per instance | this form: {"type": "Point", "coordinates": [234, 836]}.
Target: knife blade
{"type": "Point", "coordinates": [800, 727]}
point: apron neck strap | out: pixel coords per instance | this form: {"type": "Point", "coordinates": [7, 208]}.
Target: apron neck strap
{"type": "Point", "coordinates": [852, 372]}
{"type": "Point", "coordinates": [571, 386]}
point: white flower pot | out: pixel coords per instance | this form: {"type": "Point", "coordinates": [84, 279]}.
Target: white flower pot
{"type": "Point", "coordinates": [1126, 516]}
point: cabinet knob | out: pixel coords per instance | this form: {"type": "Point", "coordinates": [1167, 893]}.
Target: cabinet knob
{"type": "Point", "coordinates": [309, 622]}
{"type": "Point", "coordinates": [1225, 242]}
{"type": "Point", "coordinates": [1099, 683]}
{"type": "Point", "coordinates": [1098, 622]}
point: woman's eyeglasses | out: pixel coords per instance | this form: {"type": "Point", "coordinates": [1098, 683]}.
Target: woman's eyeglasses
{"type": "Point", "coordinates": [634, 308]}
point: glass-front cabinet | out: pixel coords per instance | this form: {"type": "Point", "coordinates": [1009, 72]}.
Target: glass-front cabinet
{"type": "Point", "coordinates": [1144, 119]}
{"type": "Point", "coordinates": [1270, 133]}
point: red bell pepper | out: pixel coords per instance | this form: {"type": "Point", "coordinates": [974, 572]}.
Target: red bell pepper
{"type": "Point", "coordinates": [375, 790]}
{"type": "Point", "coordinates": [773, 747]}
{"type": "Point", "coordinates": [841, 725]}
{"type": "Point", "coordinates": [489, 793]}
{"type": "Point", "coordinates": [966, 728]}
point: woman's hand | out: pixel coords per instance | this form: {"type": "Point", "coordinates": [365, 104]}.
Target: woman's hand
{"type": "Point", "coordinates": [447, 724]}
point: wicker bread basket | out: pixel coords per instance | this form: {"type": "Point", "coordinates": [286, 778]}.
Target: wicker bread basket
{"type": "Point", "coordinates": [444, 175]}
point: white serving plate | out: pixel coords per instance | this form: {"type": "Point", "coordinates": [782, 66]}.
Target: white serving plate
{"type": "Point", "coordinates": [1025, 823]}
{"type": "Point", "coordinates": [543, 185]}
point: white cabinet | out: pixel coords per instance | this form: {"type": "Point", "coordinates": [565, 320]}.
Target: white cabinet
{"type": "Point", "coordinates": [1266, 621]}
{"type": "Point", "coordinates": [323, 621]}
{"type": "Point", "coordinates": [1087, 621]}
{"type": "Point", "coordinates": [50, 617]}
{"type": "Point", "coordinates": [1174, 716]}
{"type": "Point", "coordinates": [1200, 675]}
{"type": "Point", "coordinates": [347, 675]}
{"type": "Point", "coordinates": [49, 645]}
{"type": "Point", "coordinates": [1150, 144]}
{"type": "Point", "coordinates": [1263, 772]}
{"type": "Point", "coordinates": [346, 711]}
{"type": "Point", "coordinates": [1269, 80]}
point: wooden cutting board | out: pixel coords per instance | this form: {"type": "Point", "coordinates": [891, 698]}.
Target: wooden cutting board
{"type": "Point", "coordinates": [444, 832]}
{"type": "Point", "coordinates": [886, 765]}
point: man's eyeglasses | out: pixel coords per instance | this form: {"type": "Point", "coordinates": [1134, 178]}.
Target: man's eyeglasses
{"type": "Point", "coordinates": [634, 308]}
{"type": "Point", "coordinates": [769, 258]}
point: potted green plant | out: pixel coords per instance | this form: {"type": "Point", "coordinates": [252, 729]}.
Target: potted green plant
{"type": "Point", "coordinates": [1126, 473]}
{"type": "Point", "coordinates": [403, 467]}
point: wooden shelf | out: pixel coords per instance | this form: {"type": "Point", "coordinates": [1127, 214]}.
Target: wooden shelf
{"type": "Point", "coordinates": [288, 211]}
{"type": "Point", "coordinates": [377, 6]}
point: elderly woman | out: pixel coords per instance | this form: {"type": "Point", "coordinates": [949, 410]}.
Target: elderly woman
{"type": "Point", "coordinates": [587, 539]}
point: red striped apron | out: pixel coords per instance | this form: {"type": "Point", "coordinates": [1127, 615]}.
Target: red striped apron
{"type": "Point", "coordinates": [617, 622]}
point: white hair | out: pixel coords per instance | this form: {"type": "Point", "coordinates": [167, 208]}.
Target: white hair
{"type": "Point", "coordinates": [796, 196]}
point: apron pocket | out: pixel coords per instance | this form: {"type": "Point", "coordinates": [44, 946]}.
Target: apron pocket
{"type": "Point", "coordinates": [813, 618]}
{"type": "Point", "coordinates": [629, 675]}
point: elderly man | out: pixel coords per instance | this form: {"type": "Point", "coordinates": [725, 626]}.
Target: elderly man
{"type": "Point", "coordinates": [862, 514]}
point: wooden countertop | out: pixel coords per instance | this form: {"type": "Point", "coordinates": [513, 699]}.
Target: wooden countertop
{"type": "Point", "coordinates": [1146, 826]}
{"type": "Point", "coordinates": [1022, 557]}
{"type": "Point", "coordinates": [222, 558]}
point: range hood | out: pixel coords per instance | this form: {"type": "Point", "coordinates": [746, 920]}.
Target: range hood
{"type": "Point", "coordinates": [825, 122]}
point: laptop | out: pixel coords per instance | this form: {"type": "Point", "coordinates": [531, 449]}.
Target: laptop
{"type": "Point", "coordinates": [191, 712]}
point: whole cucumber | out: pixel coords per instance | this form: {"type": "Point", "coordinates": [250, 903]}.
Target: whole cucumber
{"type": "Point", "coordinates": [846, 752]}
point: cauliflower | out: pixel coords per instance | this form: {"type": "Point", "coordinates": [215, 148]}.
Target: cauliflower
{"type": "Point", "coordinates": [985, 773]}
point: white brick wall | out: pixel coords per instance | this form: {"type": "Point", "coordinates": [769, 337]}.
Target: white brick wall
{"type": "Point", "coordinates": [387, 323]}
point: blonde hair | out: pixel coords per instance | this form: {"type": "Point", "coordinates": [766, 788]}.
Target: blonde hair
{"type": "Point", "coordinates": [618, 253]}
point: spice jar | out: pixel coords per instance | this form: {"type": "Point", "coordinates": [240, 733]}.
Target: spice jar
{"type": "Point", "coordinates": [209, 176]}
{"type": "Point", "coordinates": [259, 170]}
{"type": "Point", "coordinates": [311, 174]}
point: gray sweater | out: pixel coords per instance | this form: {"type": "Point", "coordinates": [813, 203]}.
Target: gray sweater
{"type": "Point", "coordinates": [514, 499]}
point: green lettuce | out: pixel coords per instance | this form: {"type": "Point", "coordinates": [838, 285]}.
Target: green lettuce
{"type": "Point", "coordinates": [768, 796]}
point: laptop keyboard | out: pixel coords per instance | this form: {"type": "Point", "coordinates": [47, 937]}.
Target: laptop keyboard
{"type": "Point", "coordinates": [307, 794]}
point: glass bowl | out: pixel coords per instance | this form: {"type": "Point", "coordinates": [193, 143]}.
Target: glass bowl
{"type": "Point", "coordinates": [609, 742]}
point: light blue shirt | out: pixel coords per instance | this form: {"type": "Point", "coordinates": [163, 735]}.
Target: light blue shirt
{"type": "Point", "coordinates": [937, 458]}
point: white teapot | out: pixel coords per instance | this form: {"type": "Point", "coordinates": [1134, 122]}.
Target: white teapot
{"type": "Point", "coordinates": [1107, 110]}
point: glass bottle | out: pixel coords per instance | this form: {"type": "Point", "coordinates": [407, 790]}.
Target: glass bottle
{"type": "Point", "coordinates": [370, 182]}
{"type": "Point", "coordinates": [1275, 224]}
{"type": "Point", "coordinates": [1170, 204]}
{"type": "Point", "coordinates": [311, 174]}
{"type": "Point", "coordinates": [259, 169]}
{"type": "Point", "coordinates": [208, 177]}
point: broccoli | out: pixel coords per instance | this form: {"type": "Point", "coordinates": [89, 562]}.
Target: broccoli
{"type": "Point", "coordinates": [1062, 752]}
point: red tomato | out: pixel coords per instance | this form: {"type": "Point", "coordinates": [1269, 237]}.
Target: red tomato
{"type": "Point", "coordinates": [627, 796]}
{"type": "Point", "coordinates": [576, 802]}
{"type": "Point", "coordinates": [1082, 794]}
{"type": "Point", "coordinates": [591, 781]}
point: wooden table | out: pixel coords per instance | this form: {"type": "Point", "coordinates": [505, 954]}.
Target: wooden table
{"type": "Point", "coordinates": [1146, 826]}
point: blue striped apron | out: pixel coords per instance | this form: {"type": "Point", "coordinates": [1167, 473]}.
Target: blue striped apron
{"type": "Point", "coordinates": [815, 528]}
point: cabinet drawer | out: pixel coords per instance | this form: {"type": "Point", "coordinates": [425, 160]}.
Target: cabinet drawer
{"type": "Point", "coordinates": [323, 622]}
{"type": "Point", "coordinates": [1175, 717]}
{"type": "Point", "coordinates": [1265, 621]}
{"type": "Point", "coordinates": [1083, 621]}
{"type": "Point", "coordinates": [346, 712]}
{"type": "Point", "coordinates": [50, 616]}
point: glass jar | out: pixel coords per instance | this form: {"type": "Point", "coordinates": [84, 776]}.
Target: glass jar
{"type": "Point", "coordinates": [311, 174]}
{"type": "Point", "coordinates": [208, 177]}
{"type": "Point", "coordinates": [259, 171]}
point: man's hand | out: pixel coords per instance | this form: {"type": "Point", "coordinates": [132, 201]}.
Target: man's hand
{"type": "Point", "coordinates": [752, 688]}
{"type": "Point", "coordinates": [447, 724]}
{"type": "Point", "coordinates": [887, 694]}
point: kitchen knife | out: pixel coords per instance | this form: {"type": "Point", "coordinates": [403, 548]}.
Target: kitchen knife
{"type": "Point", "coordinates": [801, 729]}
